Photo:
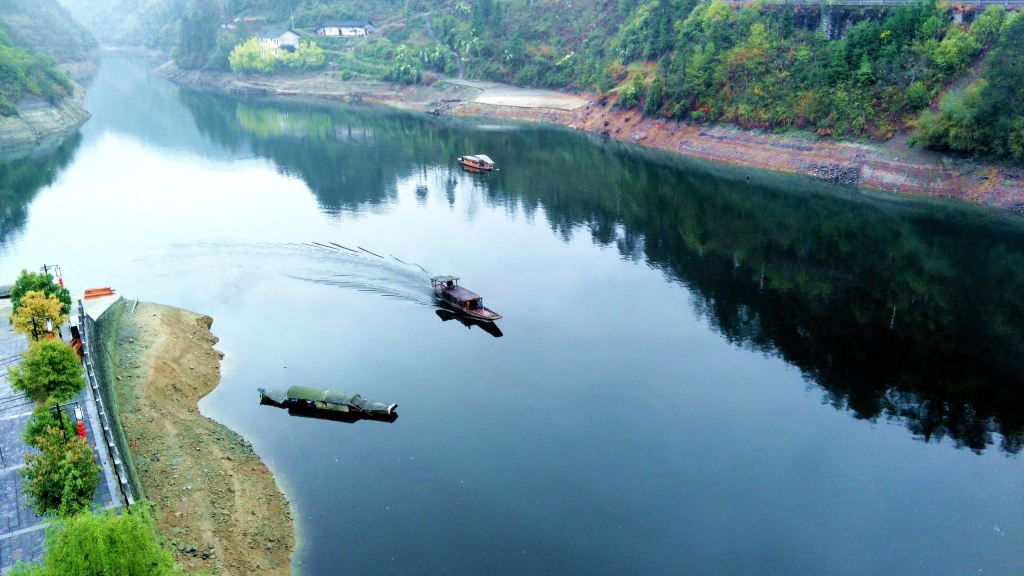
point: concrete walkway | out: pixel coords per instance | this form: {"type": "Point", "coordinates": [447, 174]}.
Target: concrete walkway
{"type": "Point", "coordinates": [21, 529]}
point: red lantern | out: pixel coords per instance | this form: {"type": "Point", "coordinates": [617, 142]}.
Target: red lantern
{"type": "Point", "coordinates": [60, 281]}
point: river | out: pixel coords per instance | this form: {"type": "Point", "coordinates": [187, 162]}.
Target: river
{"type": "Point", "coordinates": [701, 370]}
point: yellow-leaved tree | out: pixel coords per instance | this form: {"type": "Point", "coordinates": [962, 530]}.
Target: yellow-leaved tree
{"type": "Point", "coordinates": [32, 313]}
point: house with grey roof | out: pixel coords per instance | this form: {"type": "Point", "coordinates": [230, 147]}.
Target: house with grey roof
{"type": "Point", "coordinates": [275, 39]}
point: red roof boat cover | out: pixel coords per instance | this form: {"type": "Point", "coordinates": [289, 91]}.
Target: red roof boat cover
{"type": "Point", "coordinates": [461, 294]}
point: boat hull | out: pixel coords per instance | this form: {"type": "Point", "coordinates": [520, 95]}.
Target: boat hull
{"type": "Point", "coordinates": [490, 327]}
{"type": "Point", "coordinates": [282, 399]}
{"type": "Point", "coordinates": [475, 167]}
{"type": "Point", "coordinates": [482, 315]}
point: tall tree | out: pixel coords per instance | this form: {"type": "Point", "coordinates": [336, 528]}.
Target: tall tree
{"type": "Point", "coordinates": [49, 369]}
{"type": "Point", "coordinates": [197, 36]}
{"type": "Point", "coordinates": [36, 308]}
{"type": "Point", "coordinates": [40, 282]}
{"type": "Point", "coordinates": [63, 476]}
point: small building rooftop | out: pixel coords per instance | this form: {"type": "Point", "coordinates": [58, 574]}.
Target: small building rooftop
{"type": "Point", "coordinates": [95, 307]}
{"type": "Point", "coordinates": [347, 24]}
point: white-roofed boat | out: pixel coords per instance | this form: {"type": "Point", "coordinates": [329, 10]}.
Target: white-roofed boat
{"type": "Point", "coordinates": [477, 163]}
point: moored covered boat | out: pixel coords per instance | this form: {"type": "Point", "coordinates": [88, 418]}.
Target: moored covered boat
{"type": "Point", "coordinates": [463, 301]}
{"type": "Point", "coordinates": [315, 398]}
{"type": "Point", "coordinates": [477, 162]}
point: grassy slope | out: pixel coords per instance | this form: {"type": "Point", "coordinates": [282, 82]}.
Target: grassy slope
{"type": "Point", "coordinates": [24, 73]}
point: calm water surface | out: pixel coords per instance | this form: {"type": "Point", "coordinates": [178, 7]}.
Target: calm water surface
{"type": "Point", "coordinates": [702, 371]}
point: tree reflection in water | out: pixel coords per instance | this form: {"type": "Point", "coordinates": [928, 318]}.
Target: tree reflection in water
{"type": "Point", "coordinates": [22, 178]}
{"type": "Point", "coordinates": [896, 309]}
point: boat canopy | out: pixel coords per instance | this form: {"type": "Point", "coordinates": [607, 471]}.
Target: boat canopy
{"type": "Point", "coordinates": [460, 294]}
{"type": "Point", "coordinates": [444, 278]}
{"type": "Point", "coordinates": [480, 158]}
{"type": "Point", "coordinates": [316, 395]}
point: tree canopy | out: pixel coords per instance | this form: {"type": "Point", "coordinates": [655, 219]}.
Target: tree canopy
{"type": "Point", "coordinates": [987, 117]}
{"type": "Point", "coordinates": [49, 369]}
{"type": "Point", "coordinates": [62, 477]}
{"type": "Point", "coordinates": [103, 544]}
{"type": "Point", "coordinates": [39, 282]}
{"type": "Point", "coordinates": [33, 312]}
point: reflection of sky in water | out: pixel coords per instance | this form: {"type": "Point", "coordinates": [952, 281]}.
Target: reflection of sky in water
{"type": "Point", "coordinates": [611, 430]}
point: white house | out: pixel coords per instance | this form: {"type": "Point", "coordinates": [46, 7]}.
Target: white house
{"type": "Point", "coordinates": [346, 28]}
{"type": "Point", "coordinates": [274, 39]}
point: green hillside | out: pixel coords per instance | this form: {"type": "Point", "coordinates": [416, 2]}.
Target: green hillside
{"type": "Point", "coordinates": [24, 73]}
{"type": "Point", "coordinates": [47, 27]}
{"type": "Point", "coordinates": [148, 23]}
{"type": "Point", "coordinates": [761, 66]}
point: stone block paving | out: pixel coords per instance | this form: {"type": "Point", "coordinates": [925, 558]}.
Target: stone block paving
{"type": "Point", "coordinates": [21, 530]}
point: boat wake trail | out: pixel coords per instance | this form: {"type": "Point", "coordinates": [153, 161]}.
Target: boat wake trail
{"type": "Point", "coordinates": [351, 267]}
{"type": "Point", "coordinates": [364, 270]}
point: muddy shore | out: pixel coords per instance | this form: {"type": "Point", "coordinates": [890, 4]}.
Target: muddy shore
{"type": "Point", "coordinates": [218, 504]}
{"type": "Point", "coordinates": [890, 166]}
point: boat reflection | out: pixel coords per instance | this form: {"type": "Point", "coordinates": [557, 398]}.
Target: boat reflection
{"type": "Point", "coordinates": [346, 417]}
{"type": "Point", "coordinates": [489, 327]}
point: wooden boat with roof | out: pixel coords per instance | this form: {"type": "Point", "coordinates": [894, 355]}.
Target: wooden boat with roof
{"type": "Point", "coordinates": [305, 399]}
{"type": "Point", "coordinates": [477, 163]}
{"type": "Point", "coordinates": [458, 299]}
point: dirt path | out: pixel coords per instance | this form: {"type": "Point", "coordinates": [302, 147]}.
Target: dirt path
{"type": "Point", "coordinates": [218, 503]}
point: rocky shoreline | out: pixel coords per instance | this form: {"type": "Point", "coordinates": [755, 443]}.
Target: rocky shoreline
{"type": "Point", "coordinates": [889, 167]}
{"type": "Point", "coordinates": [40, 125]}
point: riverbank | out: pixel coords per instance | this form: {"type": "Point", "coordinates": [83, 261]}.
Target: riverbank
{"type": "Point", "coordinates": [218, 502]}
{"type": "Point", "coordinates": [41, 125]}
{"type": "Point", "coordinates": [891, 166]}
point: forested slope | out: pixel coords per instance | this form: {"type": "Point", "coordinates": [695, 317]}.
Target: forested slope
{"type": "Point", "coordinates": [33, 33]}
{"type": "Point", "coordinates": [23, 73]}
{"type": "Point", "coordinates": [871, 74]}
{"type": "Point", "coordinates": [45, 26]}
{"type": "Point", "coordinates": [148, 23]}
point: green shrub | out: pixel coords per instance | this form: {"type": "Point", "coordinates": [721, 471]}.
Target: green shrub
{"type": "Point", "coordinates": [405, 67]}
{"type": "Point", "coordinates": [632, 93]}
{"type": "Point", "coordinates": [956, 50]}
{"type": "Point", "coordinates": [60, 479]}
{"type": "Point", "coordinates": [655, 96]}
{"type": "Point", "coordinates": [917, 96]}
{"type": "Point", "coordinates": [50, 368]}
{"type": "Point", "coordinates": [250, 57]}
{"type": "Point", "coordinates": [101, 545]}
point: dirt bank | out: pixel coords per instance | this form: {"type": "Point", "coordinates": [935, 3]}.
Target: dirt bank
{"type": "Point", "coordinates": [218, 503]}
{"type": "Point", "coordinates": [891, 166]}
